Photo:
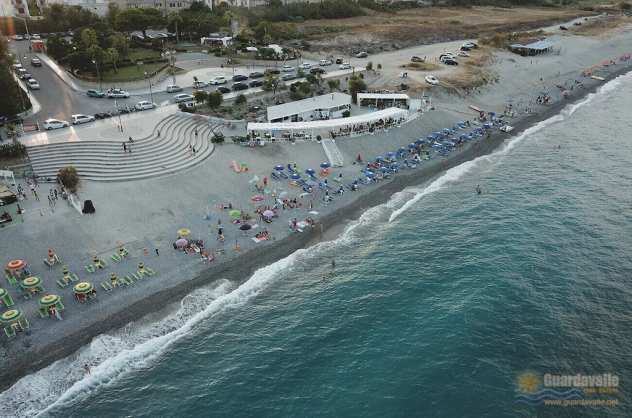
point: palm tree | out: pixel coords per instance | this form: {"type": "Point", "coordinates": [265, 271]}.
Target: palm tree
{"type": "Point", "coordinates": [175, 19]}
{"type": "Point", "coordinates": [113, 57]}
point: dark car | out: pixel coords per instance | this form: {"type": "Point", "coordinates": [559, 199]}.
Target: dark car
{"type": "Point", "coordinates": [256, 83]}
{"type": "Point", "coordinates": [563, 27]}
{"type": "Point", "coordinates": [102, 115]}
{"type": "Point", "coordinates": [223, 89]}
{"type": "Point", "coordinates": [272, 71]}
{"type": "Point", "coordinates": [317, 70]}
{"type": "Point", "coordinates": [449, 61]}
{"type": "Point", "coordinates": [240, 86]}
{"type": "Point", "coordinates": [288, 77]}
{"type": "Point", "coordinates": [339, 60]}
{"type": "Point", "coordinates": [256, 75]}
{"type": "Point", "coordinates": [240, 77]}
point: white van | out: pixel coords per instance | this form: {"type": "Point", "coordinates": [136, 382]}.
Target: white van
{"type": "Point", "coordinates": [173, 88]}
{"type": "Point", "coordinates": [324, 63]}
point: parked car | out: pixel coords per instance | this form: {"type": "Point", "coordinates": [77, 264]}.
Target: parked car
{"type": "Point", "coordinates": [32, 84]}
{"type": "Point", "coordinates": [463, 54]}
{"type": "Point", "coordinates": [256, 75]}
{"type": "Point", "coordinates": [18, 37]}
{"type": "Point", "coordinates": [305, 66]}
{"type": "Point", "coordinates": [240, 86]}
{"type": "Point", "coordinates": [339, 60]}
{"type": "Point", "coordinates": [172, 88]}
{"type": "Point", "coordinates": [223, 89]}
{"type": "Point", "coordinates": [144, 105]}
{"type": "Point", "coordinates": [23, 74]}
{"type": "Point", "coordinates": [345, 66]}
{"type": "Point", "coordinates": [470, 45]}
{"type": "Point", "coordinates": [50, 124]}
{"type": "Point", "coordinates": [272, 71]}
{"type": "Point", "coordinates": [240, 77]}
{"type": "Point", "coordinates": [432, 80]}
{"type": "Point", "coordinates": [186, 106]}
{"type": "Point", "coordinates": [103, 115]}
{"type": "Point", "coordinates": [288, 77]}
{"type": "Point", "coordinates": [95, 93]}
{"type": "Point", "coordinates": [449, 61]}
{"type": "Point", "coordinates": [35, 36]}
{"type": "Point", "coordinates": [287, 69]}
{"type": "Point", "coordinates": [362, 54]}
{"type": "Point", "coordinates": [200, 84]}
{"type": "Point", "coordinates": [218, 80]}
{"type": "Point", "coordinates": [35, 62]}
{"type": "Point", "coordinates": [324, 63]}
{"type": "Point", "coordinates": [317, 70]}
{"type": "Point", "coordinates": [415, 58]}
{"type": "Point", "coordinates": [562, 27]}
{"type": "Point", "coordinates": [447, 55]}
{"type": "Point", "coordinates": [179, 98]}
{"type": "Point", "coordinates": [117, 94]}
{"type": "Point", "coordinates": [79, 119]}
{"type": "Point", "coordinates": [16, 67]}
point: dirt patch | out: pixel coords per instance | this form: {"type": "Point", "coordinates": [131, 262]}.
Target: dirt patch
{"type": "Point", "coordinates": [421, 66]}
{"type": "Point", "coordinates": [384, 32]}
{"type": "Point", "coordinates": [602, 26]}
{"type": "Point", "coordinates": [472, 73]}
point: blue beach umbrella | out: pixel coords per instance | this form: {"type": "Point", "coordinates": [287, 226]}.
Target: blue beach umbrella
{"type": "Point", "coordinates": [279, 167]}
{"type": "Point", "coordinates": [369, 174]}
{"type": "Point", "coordinates": [379, 158]}
{"type": "Point", "coordinates": [412, 146]}
{"type": "Point", "coordinates": [402, 149]}
{"type": "Point", "coordinates": [420, 141]}
{"type": "Point", "coordinates": [309, 171]}
{"type": "Point", "coordinates": [325, 165]}
{"type": "Point", "coordinates": [463, 137]}
{"type": "Point", "coordinates": [390, 154]}
{"type": "Point", "coordinates": [470, 136]}
{"type": "Point", "coordinates": [431, 137]}
{"type": "Point", "coordinates": [296, 176]}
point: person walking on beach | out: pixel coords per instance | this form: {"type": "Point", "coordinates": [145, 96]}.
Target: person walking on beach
{"type": "Point", "coordinates": [124, 147]}
{"type": "Point", "coordinates": [157, 253]}
{"type": "Point", "coordinates": [86, 368]}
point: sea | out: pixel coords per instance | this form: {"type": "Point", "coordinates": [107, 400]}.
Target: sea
{"type": "Point", "coordinates": [442, 303]}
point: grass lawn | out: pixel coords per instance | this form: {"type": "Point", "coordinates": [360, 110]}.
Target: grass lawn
{"type": "Point", "coordinates": [131, 73]}
{"type": "Point", "coordinates": [139, 54]}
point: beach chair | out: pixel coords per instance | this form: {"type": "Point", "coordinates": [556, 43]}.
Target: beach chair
{"type": "Point", "coordinates": [73, 277]}
{"type": "Point", "coordinates": [12, 281]}
{"type": "Point", "coordinates": [90, 268]}
{"type": "Point", "coordinates": [116, 258]}
{"type": "Point", "coordinates": [9, 331]}
{"type": "Point", "coordinates": [150, 271]}
{"type": "Point", "coordinates": [283, 175]}
{"type": "Point", "coordinates": [275, 176]}
{"type": "Point", "coordinates": [128, 278]}
{"type": "Point", "coordinates": [126, 281]}
{"type": "Point", "coordinates": [61, 283]}
{"type": "Point", "coordinates": [106, 286]}
{"type": "Point", "coordinates": [137, 276]}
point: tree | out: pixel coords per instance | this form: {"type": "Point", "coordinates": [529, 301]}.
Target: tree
{"type": "Point", "coordinates": [57, 47]}
{"type": "Point", "coordinates": [200, 96]}
{"type": "Point", "coordinates": [214, 99]}
{"type": "Point", "coordinates": [69, 177]}
{"type": "Point", "coordinates": [113, 57]}
{"type": "Point", "coordinates": [174, 23]}
{"type": "Point", "coordinates": [241, 100]}
{"type": "Point", "coordinates": [333, 85]}
{"type": "Point", "coordinates": [356, 85]}
{"type": "Point", "coordinates": [270, 83]}
{"type": "Point", "coordinates": [369, 66]}
{"type": "Point", "coordinates": [120, 43]}
{"type": "Point", "coordinates": [88, 38]}
{"type": "Point", "coordinates": [138, 19]}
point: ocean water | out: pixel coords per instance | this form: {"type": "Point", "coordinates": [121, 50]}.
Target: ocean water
{"type": "Point", "coordinates": [440, 301]}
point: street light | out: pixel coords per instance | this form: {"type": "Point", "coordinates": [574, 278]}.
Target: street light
{"type": "Point", "coordinates": [151, 94]}
{"type": "Point", "coordinates": [96, 64]}
{"type": "Point", "coordinates": [26, 24]}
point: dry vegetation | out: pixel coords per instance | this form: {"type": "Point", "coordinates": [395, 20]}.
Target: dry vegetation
{"type": "Point", "coordinates": [381, 31]}
{"type": "Point", "coordinates": [602, 26]}
{"type": "Point", "coordinates": [421, 66]}
{"type": "Point", "coordinates": [472, 73]}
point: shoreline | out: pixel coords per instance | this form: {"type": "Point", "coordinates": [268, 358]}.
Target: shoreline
{"type": "Point", "coordinates": [239, 269]}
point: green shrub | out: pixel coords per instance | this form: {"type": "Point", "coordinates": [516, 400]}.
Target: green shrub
{"type": "Point", "coordinates": [16, 149]}
{"type": "Point", "coordinates": [69, 177]}
{"type": "Point", "coordinates": [218, 138]}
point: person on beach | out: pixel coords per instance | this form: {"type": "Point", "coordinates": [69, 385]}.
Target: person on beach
{"type": "Point", "coordinates": [124, 147]}
{"type": "Point", "coordinates": [86, 368]}
{"type": "Point", "coordinates": [130, 140]}
{"type": "Point", "coordinates": [157, 253]}
{"type": "Point", "coordinates": [478, 189]}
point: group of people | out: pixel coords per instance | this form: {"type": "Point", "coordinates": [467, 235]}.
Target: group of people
{"type": "Point", "coordinates": [365, 127]}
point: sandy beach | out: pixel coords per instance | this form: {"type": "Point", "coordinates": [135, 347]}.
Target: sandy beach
{"type": "Point", "coordinates": [144, 215]}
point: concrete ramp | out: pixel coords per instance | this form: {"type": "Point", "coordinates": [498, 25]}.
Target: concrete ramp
{"type": "Point", "coordinates": [332, 152]}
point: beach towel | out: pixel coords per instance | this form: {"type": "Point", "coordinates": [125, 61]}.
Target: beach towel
{"type": "Point", "coordinates": [236, 167]}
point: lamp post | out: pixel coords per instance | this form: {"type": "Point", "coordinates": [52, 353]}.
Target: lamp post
{"type": "Point", "coordinates": [96, 64]}
{"type": "Point", "coordinates": [26, 24]}
{"type": "Point", "coordinates": [151, 94]}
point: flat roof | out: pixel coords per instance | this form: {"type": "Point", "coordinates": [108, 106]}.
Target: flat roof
{"type": "Point", "coordinates": [373, 96]}
{"type": "Point", "coordinates": [391, 112]}
{"type": "Point", "coordinates": [538, 45]}
{"type": "Point", "coordinates": [326, 101]}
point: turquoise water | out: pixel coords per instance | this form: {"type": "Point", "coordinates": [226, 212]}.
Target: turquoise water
{"type": "Point", "coordinates": [435, 313]}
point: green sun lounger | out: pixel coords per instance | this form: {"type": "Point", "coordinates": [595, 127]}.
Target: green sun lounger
{"type": "Point", "coordinates": [116, 258]}
{"type": "Point", "coordinates": [150, 271]}
{"type": "Point", "coordinates": [106, 286]}
{"type": "Point", "coordinates": [61, 283]}
{"type": "Point", "coordinates": [9, 331]}
{"type": "Point", "coordinates": [90, 268]}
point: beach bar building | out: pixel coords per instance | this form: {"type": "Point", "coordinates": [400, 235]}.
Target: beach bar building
{"type": "Point", "coordinates": [384, 100]}
{"type": "Point", "coordinates": [327, 106]}
{"type": "Point", "coordinates": [534, 48]}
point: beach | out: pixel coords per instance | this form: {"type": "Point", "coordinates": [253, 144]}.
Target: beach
{"type": "Point", "coordinates": [137, 203]}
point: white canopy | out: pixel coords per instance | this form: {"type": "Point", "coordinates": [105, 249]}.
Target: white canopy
{"type": "Point", "coordinates": [391, 112]}
{"type": "Point", "coordinates": [383, 96]}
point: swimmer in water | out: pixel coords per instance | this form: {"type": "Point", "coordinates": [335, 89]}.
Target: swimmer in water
{"type": "Point", "coordinates": [478, 189]}
{"type": "Point", "coordinates": [86, 368]}
{"type": "Point", "coordinates": [333, 264]}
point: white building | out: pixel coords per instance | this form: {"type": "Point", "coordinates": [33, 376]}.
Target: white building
{"type": "Point", "coordinates": [327, 106]}
{"type": "Point", "coordinates": [384, 100]}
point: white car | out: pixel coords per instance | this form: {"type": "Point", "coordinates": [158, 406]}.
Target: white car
{"type": "Point", "coordinates": [16, 67]}
{"type": "Point", "coordinates": [33, 84]}
{"type": "Point", "coordinates": [79, 119]}
{"type": "Point", "coordinates": [287, 69]}
{"type": "Point", "coordinates": [218, 80]}
{"type": "Point", "coordinates": [448, 55]}
{"type": "Point", "coordinates": [117, 94]}
{"type": "Point", "coordinates": [305, 66]}
{"type": "Point", "coordinates": [55, 124]}
{"type": "Point", "coordinates": [18, 37]}
{"type": "Point", "coordinates": [35, 36]}
{"type": "Point", "coordinates": [469, 45]}
{"type": "Point", "coordinates": [199, 84]}
{"type": "Point", "coordinates": [463, 54]}
{"type": "Point", "coordinates": [345, 66]}
{"type": "Point", "coordinates": [432, 80]}
{"type": "Point", "coordinates": [183, 98]}
{"type": "Point", "coordinates": [173, 88]}
{"type": "Point", "coordinates": [144, 105]}
{"type": "Point", "coordinates": [324, 63]}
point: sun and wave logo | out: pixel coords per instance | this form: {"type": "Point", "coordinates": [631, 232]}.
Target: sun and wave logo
{"type": "Point", "coordinates": [531, 391]}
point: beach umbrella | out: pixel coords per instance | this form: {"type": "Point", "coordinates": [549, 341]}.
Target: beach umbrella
{"type": "Point", "coordinates": [325, 165]}
{"type": "Point", "coordinates": [487, 125]}
{"type": "Point", "coordinates": [184, 232]}
{"type": "Point", "coordinates": [379, 158]}
{"type": "Point", "coordinates": [310, 171]}
{"type": "Point", "coordinates": [420, 141]}
{"type": "Point", "coordinates": [234, 213]}
{"type": "Point", "coordinates": [437, 134]}
{"type": "Point", "coordinates": [412, 146]}
{"type": "Point", "coordinates": [369, 174]}
{"type": "Point", "coordinates": [245, 227]}
{"type": "Point", "coordinates": [402, 150]}
{"type": "Point", "coordinates": [295, 176]}
{"type": "Point", "coordinates": [447, 131]}
{"type": "Point", "coordinates": [268, 213]}
{"type": "Point", "coordinates": [181, 243]}
{"type": "Point", "coordinates": [431, 137]}
{"type": "Point", "coordinates": [390, 154]}
{"type": "Point", "coordinates": [279, 167]}
{"type": "Point", "coordinates": [257, 198]}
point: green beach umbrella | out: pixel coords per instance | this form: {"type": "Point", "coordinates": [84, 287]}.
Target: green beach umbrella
{"type": "Point", "coordinates": [234, 213]}
{"type": "Point", "coordinates": [49, 300]}
{"type": "Point", "coordinates": [11, 315]}
{"type": "Point", "coordinates": [31, 282]}
{"type": "Point", "coordinates": [83, 288]}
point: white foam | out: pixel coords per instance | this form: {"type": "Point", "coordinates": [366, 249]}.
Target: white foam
{"type": "Point", "coordinates": [455, 173]}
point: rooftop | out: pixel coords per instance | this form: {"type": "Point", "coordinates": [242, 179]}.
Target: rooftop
{"type": "Point", "coordinates": [396, 96]}
{"type": "Point", "coordinates": [326, 101]}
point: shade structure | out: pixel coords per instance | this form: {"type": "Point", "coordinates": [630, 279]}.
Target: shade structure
{"type": "Point", "coordinates": [245, 227]}
{"type": "Point", "coordinates": [11, 315]}
{"type": "Point", "coordinates": [296, 176]}
{"type": "Point", "coordinates": [16, 264]}
{"type": "Point", "coordinates": [234, 213]}
{"type": "Point", "coordinates": [279, 167]}
{"type": "Point", "coordinates": [181, 243]}
{"type": "Point", "coordinates": [310, 171]}
{"type": "Point", "coordinates": [268, 213]}
{"type": "Point", "coordinates": [30, 282]}
{"type": "Point", "coordinates": [325, 165]}
{"type": "Point", "coordinates": [184, 232]}
{"type": "Point", "coordinates": [83, 288]}
{"type": "Point", "coordinates": [49, 300]}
